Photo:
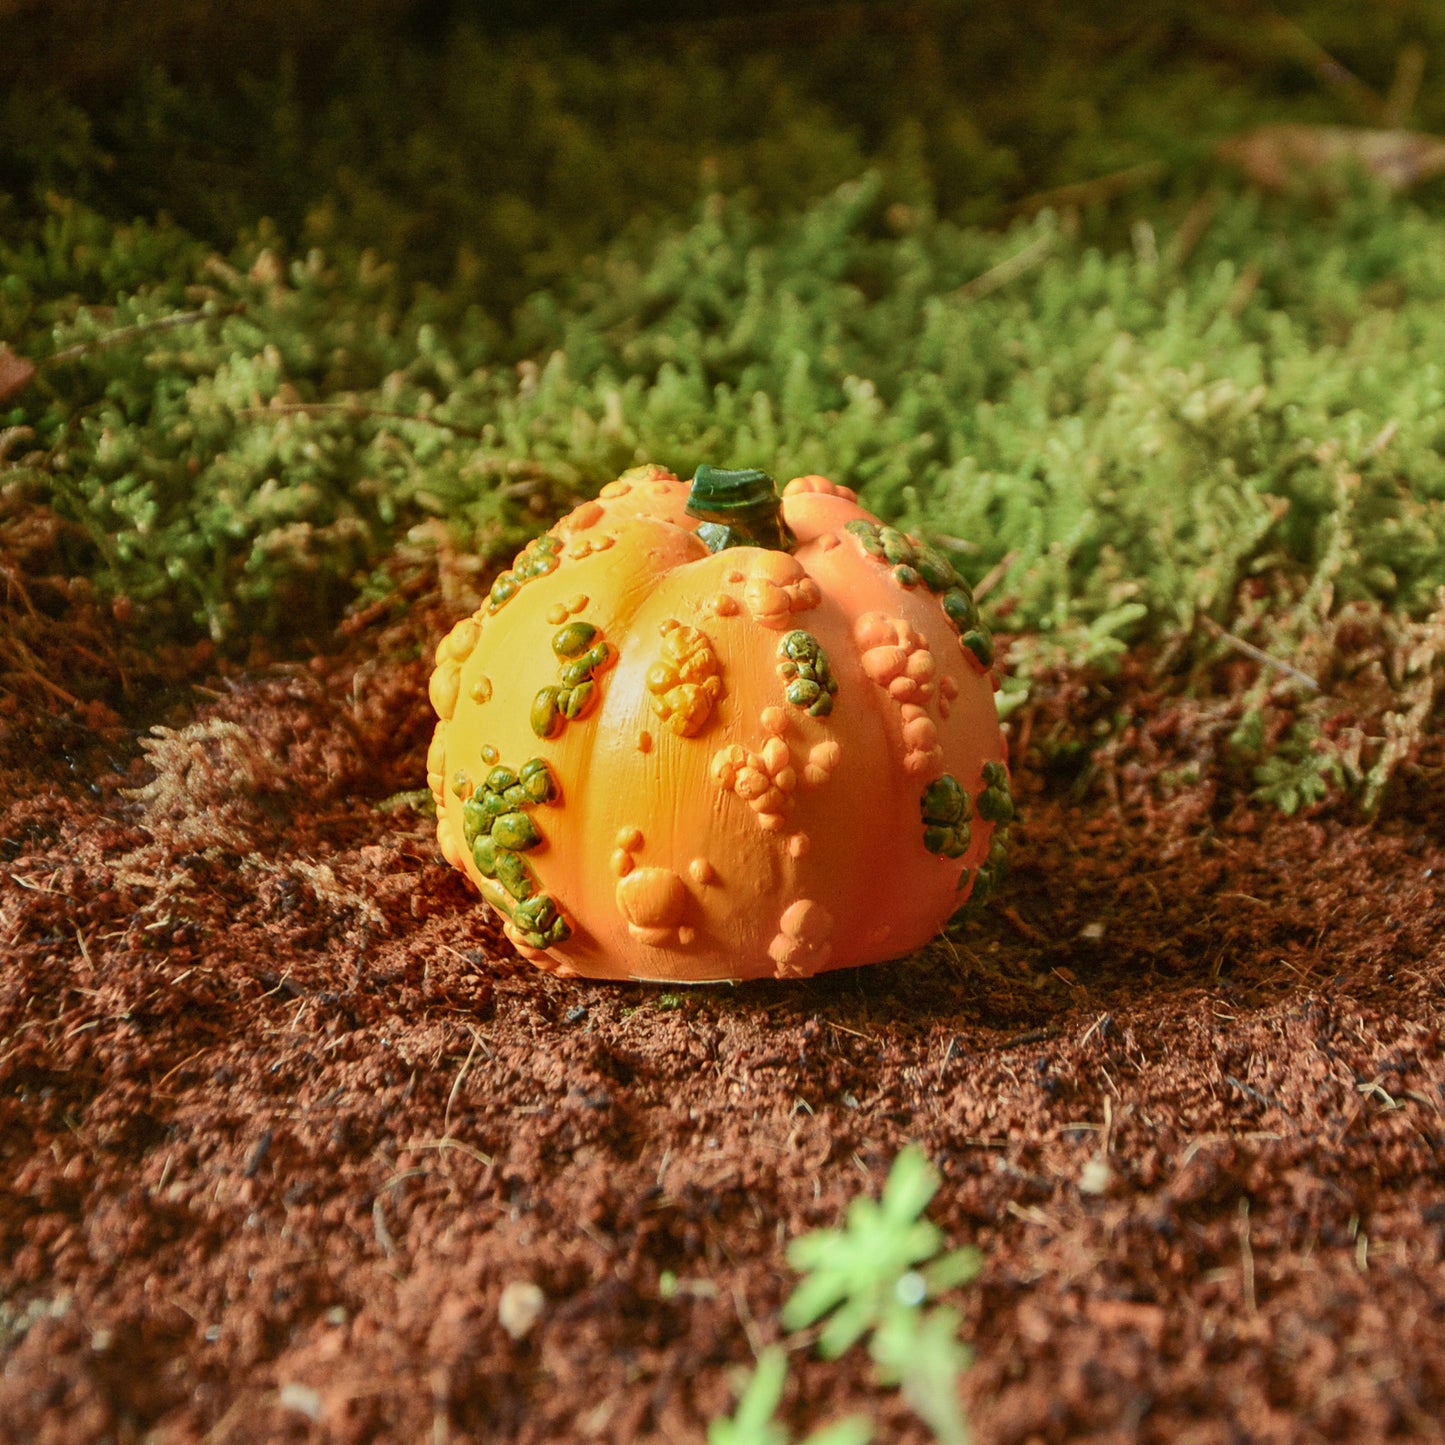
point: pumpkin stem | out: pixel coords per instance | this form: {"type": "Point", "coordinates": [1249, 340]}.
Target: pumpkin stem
{"type": "Point", "coordinates": [738, 509]}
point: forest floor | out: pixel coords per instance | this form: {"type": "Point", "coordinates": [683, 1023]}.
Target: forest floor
{"type": "Point", "coordinates": [281, 1115]}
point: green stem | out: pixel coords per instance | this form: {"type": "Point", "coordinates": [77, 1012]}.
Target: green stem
{"type": "Point", "coordinates": [738, 509]}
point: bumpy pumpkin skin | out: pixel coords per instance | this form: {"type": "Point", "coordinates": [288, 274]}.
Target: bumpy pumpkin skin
{"type": "Point", "coordinates": [691, 823]}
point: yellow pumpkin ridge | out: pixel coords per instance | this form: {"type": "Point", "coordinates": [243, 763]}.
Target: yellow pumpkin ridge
{"type": "Point", "coordinates": [443, 689]}
{"type": "Point", "coordinates": [587, 515]}
{"type": "Point", "coordinates": [457, 645]}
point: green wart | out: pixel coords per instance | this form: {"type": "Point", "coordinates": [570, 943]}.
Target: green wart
{"type": "Point", "coordinates": [498, 827]}
{"type": "Point", "coordinates": [914, 564]}
{"type": "Point", "coordinates": [803, 666]}
{"type": "Point", "coordinates": [946, 809]}
{"type": "Point", "coordinates": [995, 805]}
{"type": "Point", "coordinates": [583, 654]}
{"type": "Point", "coordinates": [536, 559]}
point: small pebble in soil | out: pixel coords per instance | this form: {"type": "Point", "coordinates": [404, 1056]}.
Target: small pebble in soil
{"type": "Point", "coordinates": [301, 1398]}
{"type": "Point", "coordinates": [1094, 1176]}
{"type": "Point", "coordinates": [520, 1307]}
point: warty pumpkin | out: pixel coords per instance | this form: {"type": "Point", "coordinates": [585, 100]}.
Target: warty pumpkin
{"type": "Point", "coordinates": [700, 732]}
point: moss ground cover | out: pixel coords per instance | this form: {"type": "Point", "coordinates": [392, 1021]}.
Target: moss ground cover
{"type": "Point", "coordinates": [471, 281]}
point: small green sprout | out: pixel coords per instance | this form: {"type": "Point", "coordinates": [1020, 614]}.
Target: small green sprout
{"type": "Point", "coordinates": [885, 1259]}
{"type": "Point", "coordinates": [1302, 769]}
{"type": "Point", "coordinates": [921, 1353]}
{"type": "Point", "coordinates": [753, 1422]}
{"type": "Point", "coordinates": [873, 1278]}
{"type": "Point", "coordinates": [1297, 777]}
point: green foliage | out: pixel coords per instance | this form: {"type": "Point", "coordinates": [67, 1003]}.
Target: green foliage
{"type": "Point", "coordinates": [237, 470]}
{"type": "Point", "coordinates": [870, 1281]}
{"type": "Point", "coordinates": [753, 1423]}
{"type": "Point", "coordinates": [486, 164]}
{"type": "Point", "coordinates": [921, 1353]}
{"type": "Point", "coordinates": [1126, 440]}
{"type": "Point", "coordinates": [1298, 771]}
{"type": "Point", "coordinates": [1134, 437]}
{"type": "Point", "coordinates": [852, 1275]}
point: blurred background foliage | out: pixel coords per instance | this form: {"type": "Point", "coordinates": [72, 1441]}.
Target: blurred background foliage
{"type": "Point", "coordinates": [485, 150]}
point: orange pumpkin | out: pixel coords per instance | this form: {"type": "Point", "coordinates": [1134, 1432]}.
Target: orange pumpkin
{"type": "Point", "coordinates": [698, 732]}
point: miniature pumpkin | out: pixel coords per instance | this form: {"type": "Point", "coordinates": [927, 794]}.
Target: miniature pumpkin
{"type": "Point", "coordinates": [701, 732]}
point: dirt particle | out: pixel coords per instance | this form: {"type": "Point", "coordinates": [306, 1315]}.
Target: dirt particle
{"type": "Point", "coordinates": [520, 1307]}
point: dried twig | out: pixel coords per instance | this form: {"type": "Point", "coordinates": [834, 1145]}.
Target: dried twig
{"type": "Point", "coordinates": [1021, 926]}
{"type": "Point", "coordinates": [1008, 270]}
{"type": "Point", "coordinates": [142, 328]}
{"type": "Point", "coordinates": [456, 1089]}
{"type": "Point", "coordinates": [993, 576]}
{"type": "Point", "coordinates": [1092, 192]}
{"type": "Point", "coordinates": [1195, 223]}
{"type": "Point", "coordinates": [24, 677]}
{"type": "Point", "coordinates": [1280, 157]}
{"type": "Point", "coordinates": [352, 410]}
{"type": "Point", "coordinates": [383, 1233]}
{"type": "Point", "coordinates": [1328, 70]}
{"type": "Point", "coordinates": [1033, 1036]}
{"type": "Point", "coordinates": [1258, 654]}
{"type": "Point", "coordinates": [459, 1145]}
{"type": "Point", "coordinates": [1405, 87]}
{"type": "Point", "coordinates": [1246, 1257]}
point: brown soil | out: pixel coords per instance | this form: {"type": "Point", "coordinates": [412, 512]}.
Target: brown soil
{"type": "Point", "coordinates": [281, 1118]}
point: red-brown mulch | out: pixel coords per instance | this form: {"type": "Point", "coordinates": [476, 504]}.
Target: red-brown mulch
{"type": "Point", "coordinates": [281, 1118]}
